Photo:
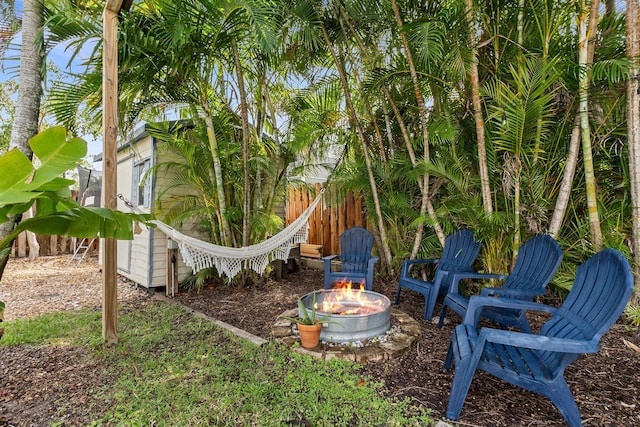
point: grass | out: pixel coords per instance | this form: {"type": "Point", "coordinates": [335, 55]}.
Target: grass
{"type": "Point", "coordinates": [172, 368]}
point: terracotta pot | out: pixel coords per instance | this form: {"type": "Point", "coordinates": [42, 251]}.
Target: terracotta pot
{"type": "Point", "coordinates": [309, 335]}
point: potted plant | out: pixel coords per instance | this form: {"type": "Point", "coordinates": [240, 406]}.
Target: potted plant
{"type": "Point", "coordinates": [309, 324]}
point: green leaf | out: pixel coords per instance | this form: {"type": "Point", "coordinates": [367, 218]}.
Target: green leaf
{"type": "Point", "coordinates": [57, 213]}
{"type": "Point", "coordinates": [19, 183]}
{"type": "Point", "coordinates": [56, 154]}
{"type": "Point", "coordinates": [85, 222]}
{"type": "Point", "coordinates": [57, 184]}
{"type": "Point", "coordinates": [16, 171]}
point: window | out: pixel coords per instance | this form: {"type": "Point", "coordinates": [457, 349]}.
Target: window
{"type": "Point", "coordinates": [142, 183]}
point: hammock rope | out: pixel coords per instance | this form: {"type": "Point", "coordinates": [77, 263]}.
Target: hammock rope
{"type": "Point", "coordinates": [199, 254]}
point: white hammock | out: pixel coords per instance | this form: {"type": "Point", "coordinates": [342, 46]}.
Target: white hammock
{"type": "Point", "coordinates": [198, 254]}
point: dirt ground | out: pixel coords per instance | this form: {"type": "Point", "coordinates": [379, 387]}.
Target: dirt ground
{"type": "Point", "coordinates": [36, 381]}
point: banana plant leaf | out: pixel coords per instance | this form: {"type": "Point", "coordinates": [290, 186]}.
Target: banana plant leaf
{"type": "Point", "coordinates": [82, 222]}
{"type": "Point", "coordinates": [21, 182]}
{"type": "Point", "coordinates": [22, 185]}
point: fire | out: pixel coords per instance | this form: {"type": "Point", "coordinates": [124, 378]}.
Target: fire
{"type": "Point", "coordinates": [347, 300]}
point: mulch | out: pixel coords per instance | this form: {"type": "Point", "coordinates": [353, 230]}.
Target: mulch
{"type": "Point", "coordinates": [605, 385]}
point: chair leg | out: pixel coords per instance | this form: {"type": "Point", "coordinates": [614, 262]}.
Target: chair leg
{"type": "Point", "coordinates": [449, 358]}
{"type": "Point", "coordinates": [398, 296]}
{"type": "Point", "coordinates": [564, 401]}
{"type": "Point", "coordinates": [465, 370]}
{"type": "Point", "coordinates": [461, 382]}
{"type": "Point", "coordinates": [430, 303]}
{"type": "Point", "coordinates": [442, 314]}
{"type": "Point", "coordinates": [467, 358]}
{"type": "Point", "coordinates": [523, 324]}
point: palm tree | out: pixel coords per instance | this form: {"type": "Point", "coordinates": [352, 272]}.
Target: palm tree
{"type": "Point", "coordinates": [425, 204]}
{"type": "Point", "coordinates": [27, 111]}
{"type": "Point", "coordinates": [633, 126]}
{"type": "Point", "coordinates": [318, 27]}
{"type": "Point", "coordinates": [474, 82]}
{"type": "Point", "coordinates": [522, 115]}
{"type": "Point", "coordinates": [587, 153]}
{"type": "Point", "coordinates": [255, 28]}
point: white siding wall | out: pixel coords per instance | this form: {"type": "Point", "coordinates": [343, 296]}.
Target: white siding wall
{"type": "Point", "coordinates": [162, 180]}
{"type": "Point", "coordinates": [136, 267]}
{"type": "Point", "coordinates": [144, 260]}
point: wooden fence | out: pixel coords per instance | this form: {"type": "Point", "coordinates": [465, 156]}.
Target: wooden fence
{"type": "Point", "coordinates": [49, 245]}
{"type": "Point", "coordinates": [330, 218]}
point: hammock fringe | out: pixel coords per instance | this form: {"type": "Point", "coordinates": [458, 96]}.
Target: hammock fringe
{"type": "Point", "coordinates": [199, 254]}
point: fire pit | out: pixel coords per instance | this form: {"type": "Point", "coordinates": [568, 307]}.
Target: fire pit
{"type": "Point", "coordinates": [351, 315]}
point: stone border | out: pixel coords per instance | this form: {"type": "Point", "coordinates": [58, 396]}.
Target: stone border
{"type": "Point", "coordinates": [396, 344]}
{"type": "Point", "coordinates": [237, 331]}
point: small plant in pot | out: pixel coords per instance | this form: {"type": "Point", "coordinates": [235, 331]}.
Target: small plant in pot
{"type": "Point", "coordinates": [309, 324]}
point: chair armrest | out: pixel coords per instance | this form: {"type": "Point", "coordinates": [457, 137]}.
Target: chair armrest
{"type": "Point", "coordinates": [408, 263]}
{"type": "Point", "coordinates": [478, 303]}
{"type": "Point", "coordinates": [459, 275]}
{"type": "Point", "coordinates": [538, 342]}
{"type": "Point", "coordinates": [511, 293]}
{"type": "Point", "coordinates": [372, 261]}
{"type": "Point", "coordinates": [327, 262]}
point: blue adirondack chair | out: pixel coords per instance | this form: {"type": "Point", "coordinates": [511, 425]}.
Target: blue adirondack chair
{"type": "Point", "coordinates": [459, 253]}
{"type": "Point", "coordinates": [600, 292]}
{"type": "Point", "coordinates": [357, 262]}
{"type": "Point", "coordinates": [537, 262]}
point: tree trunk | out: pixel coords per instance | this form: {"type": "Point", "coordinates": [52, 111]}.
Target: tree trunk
{"type": "Point", "coordinates": [34, 246]}
{"type": "Point", "coordinates": [571, 163]}
{"type": "Point", "coordinates": [633, 129]}
{"type": "Point", "coordinates": [244, 115]}
{"type": "Point", "coordinates": [386, 251]}
{"type": "Point", "coordinates": [567, 181]}
{"type": "Point", "coordinates": [422, 111]}
{"type": "Point", "coordinates": [474, 81]}
{"type": "Point", "coordinates": [587, 152]}
{"type": "Point", "coordinates": [27, 113]}
{"type": "Point", "coordinates": [225, 230]}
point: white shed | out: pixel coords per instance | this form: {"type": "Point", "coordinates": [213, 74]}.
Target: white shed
{"type": "Point", "coordinates": [146, 259]}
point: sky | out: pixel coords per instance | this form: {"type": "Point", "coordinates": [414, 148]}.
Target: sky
{"type": "Point", "coordinates": [60, 57]}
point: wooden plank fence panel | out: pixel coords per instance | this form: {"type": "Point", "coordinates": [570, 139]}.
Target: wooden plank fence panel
{"type": "Point", "coordinates": [360, 222]}
{"type": "Point", "coordinates": [350, 214]}
{"type": "Point", "coordinates": [21, 241]}
{"type": "Point", "coordinates": [341, 213]}
{"type": "Point", "coordinates": [326, 233]}
{"type": "Point", "coordinates": [49, 245]}
{"type": "Point", "coordinates": [334, 244]}
{"type": "Point", "coordinates": [330, 218]}
{"type": "Point", "coordinates": [54, 245]}
{"type": "Point", "coordinates": [316, 224]}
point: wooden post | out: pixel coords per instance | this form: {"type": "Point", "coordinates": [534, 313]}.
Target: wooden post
{"type": "Point", "coordinates": [359, 213]}
{"type": "Point", "coordinates": [172, 269]}
{"type": "Point", "coordinates": [326, 231]}
{"type": "Point", "coordinates": [317, 220]}
{"type": "Point", "coordinates": [109, 165]}
{"type": "Point", "coordinates": [335, 236]}
{"type": "Point", "coordinates": [54, 245]}
{"type": "Point", "coordinates": [21, 241]}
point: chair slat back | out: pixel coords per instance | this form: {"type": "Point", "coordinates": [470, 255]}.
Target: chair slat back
{"type": "Point", "coordinates": [538, 260]}
{"type": "Point", "coordinates": [356, 244]}
{"type": "Point", "coordinates": [459, 253]}
{"type": "Point", "coordinates": [600, 292]}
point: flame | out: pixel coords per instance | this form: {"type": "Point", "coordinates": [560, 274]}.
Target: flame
{"type": "Point", "coordinates": [349, 301]}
